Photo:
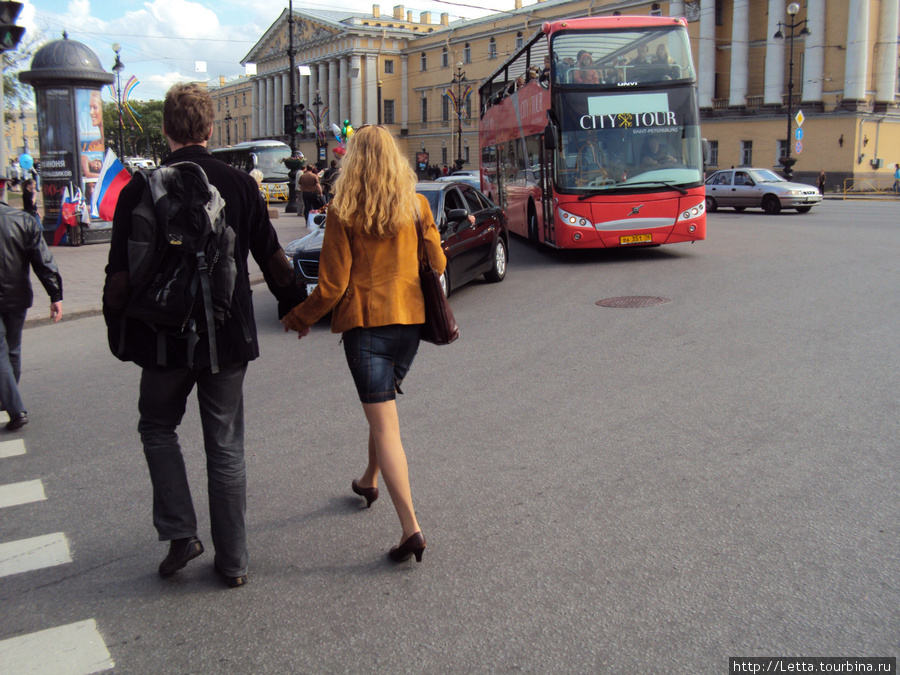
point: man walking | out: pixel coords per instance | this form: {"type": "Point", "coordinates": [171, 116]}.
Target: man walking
{"type": "Point", "coordinates": [310, 188]}
{"type": "Point", "coordinates": [21, 246]}
{"type": "Point", "coordinates": [187, 124]}
{"type": "Point", "coordinates": [329, 177]}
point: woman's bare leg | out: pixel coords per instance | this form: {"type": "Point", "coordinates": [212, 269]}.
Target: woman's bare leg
{"type": "Point", "coordinates": [370, 477]}
{"type": "Point", "coordinates": [384, 432]}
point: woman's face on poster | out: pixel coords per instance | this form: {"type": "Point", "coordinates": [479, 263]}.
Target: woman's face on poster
{"type": "Point", "coordinates": [96, 110]}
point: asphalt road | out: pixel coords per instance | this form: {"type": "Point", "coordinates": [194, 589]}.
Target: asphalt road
{"type": "Point", "coordinates": [603, 490]}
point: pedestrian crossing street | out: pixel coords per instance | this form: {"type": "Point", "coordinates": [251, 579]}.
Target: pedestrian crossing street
{"type": "Point", "coordinates": [72, 649]}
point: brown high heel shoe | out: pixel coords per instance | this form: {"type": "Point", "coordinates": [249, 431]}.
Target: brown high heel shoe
{"type": "Point", "coordinates": [413, 546]}
{"type": "Point", "coordinates": [370, 494]}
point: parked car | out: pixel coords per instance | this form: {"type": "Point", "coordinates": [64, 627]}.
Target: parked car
{"type": "Point", "coordinates": [474, 181]}
{"type": "Point", "coordinates": [758, 188]}
{"type": "Point", "coordinates": [472, 249]}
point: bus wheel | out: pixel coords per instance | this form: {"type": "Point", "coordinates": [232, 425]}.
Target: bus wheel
{"type": "Point", "coordinates": [498, 264]}
{"type": "Point", "coordinates": [532, 225]}
{"type": "Point", "coordinates": [771, 205]}
{"type": "Point", "coordinates": [711, 206]}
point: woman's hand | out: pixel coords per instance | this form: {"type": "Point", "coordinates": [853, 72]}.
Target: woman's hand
{"type": "Point", "coordinates": [289, 325]}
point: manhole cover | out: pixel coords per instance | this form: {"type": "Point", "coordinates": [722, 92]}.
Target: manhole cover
{"type": "Point", "coordinates": [632, 301]}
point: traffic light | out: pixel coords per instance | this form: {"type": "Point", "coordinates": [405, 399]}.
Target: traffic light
{"type": "Point", "coordinates": [288, 119]}
{"type": "Point", "coordinates": [10, 33]}
{"type": "Point", "coordinates": [300, 118]}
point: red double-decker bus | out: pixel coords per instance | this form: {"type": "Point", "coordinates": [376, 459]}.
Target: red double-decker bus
{"type": "Point", "coordinates": [590, 135]}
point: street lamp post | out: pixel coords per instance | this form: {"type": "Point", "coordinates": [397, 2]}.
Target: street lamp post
{"type": "Point", "coordinates": [458, 80]}
{"type": "Point", "coordinates": [118, 67]}
{"type": "Point", "coordinates": [320, 141]}
{"type": "Point", "coordinates": [787, 161]}
{"type": "Point", "coordinates": [228, 119]}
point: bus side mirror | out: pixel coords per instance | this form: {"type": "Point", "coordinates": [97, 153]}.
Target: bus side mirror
{"type": "Point", "coordinates": [551, 137]}
{"type": "Point", "coordinates": [254, 159]}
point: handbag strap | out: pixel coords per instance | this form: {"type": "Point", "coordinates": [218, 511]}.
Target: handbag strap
{"type": "Point", "coordinates": [422, 249]}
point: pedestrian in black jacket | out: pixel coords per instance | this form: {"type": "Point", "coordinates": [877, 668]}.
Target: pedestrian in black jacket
{"type": "Point", "coordinates": [187, 123]}
{"type": "Point", "coordinates": [22, 248]}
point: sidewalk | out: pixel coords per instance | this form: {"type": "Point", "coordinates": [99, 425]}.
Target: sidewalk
{"type": "Point", "coordinates": [82, 270]}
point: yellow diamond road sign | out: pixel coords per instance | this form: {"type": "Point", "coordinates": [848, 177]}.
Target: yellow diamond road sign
{"type": "Point", "coordinates": [799, 118]}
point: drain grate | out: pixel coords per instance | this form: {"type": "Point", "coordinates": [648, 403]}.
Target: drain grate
{"type": "Point", "coordinates": [633, 301]}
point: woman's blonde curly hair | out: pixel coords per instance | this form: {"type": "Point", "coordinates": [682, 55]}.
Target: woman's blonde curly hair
{"type": "Point", "coordinates": [376, 189]}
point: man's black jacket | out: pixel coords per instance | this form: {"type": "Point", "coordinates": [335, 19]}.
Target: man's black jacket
{"type": "Point", "coordinates": [246, 213]}
{"type": "Point", "coordinates": [22, 245]}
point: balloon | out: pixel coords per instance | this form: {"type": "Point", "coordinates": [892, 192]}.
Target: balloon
{"type": "Point", "coordinates": [348, 131]}
{"type": "Point", "coordinates": [26, 161]}
{"type": "Point", "coordinates": [337, 131]}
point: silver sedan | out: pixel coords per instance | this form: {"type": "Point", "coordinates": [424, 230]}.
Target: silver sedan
{"type": "Point", "coordinates": [758, 188]}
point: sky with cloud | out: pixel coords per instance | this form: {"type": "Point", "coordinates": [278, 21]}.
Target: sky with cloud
{"type": "Point", "coordinates": [162, 40]}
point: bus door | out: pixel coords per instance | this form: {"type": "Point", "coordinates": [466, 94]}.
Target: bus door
{"type": "Point", "coordinates": [545, 180]}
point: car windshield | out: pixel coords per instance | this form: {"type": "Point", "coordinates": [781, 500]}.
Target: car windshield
{"type": "Point", "coordinates": [766, 176]}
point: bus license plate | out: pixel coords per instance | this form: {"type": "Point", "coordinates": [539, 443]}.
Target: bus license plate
{"type": "Point", "coordinates": [636, 239]}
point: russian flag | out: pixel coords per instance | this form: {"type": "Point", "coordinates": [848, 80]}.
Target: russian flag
{"type": "Point", "coordinates": [113, 177]}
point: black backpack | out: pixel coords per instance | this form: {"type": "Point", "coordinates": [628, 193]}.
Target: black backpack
{"type": "Point", "coordinates": [181, 269]}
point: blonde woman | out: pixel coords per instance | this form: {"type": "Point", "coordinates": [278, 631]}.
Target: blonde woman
{"type": "Point", "coordinates": [369, 277]}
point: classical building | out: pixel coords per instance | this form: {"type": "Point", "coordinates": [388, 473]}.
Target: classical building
{"type": "Point", "coordinates": [839, 61]}
{"type": "Point", "coordinates": [21, 131]}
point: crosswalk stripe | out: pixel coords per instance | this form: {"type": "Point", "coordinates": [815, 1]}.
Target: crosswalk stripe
{"type": "Point", "coordinates": [21, 493]}
{"type": "Point", "coordinates": [35, 553]}
{"type": "Point", "coordinates": [74, 649]}
{"type": "Point", "coordinates": [12, 448]}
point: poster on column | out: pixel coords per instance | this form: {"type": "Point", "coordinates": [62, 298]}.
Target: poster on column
{"type": "Point", "coordinates": [91, 140]}
{"type": "Point", "coordinates": [55, 124]}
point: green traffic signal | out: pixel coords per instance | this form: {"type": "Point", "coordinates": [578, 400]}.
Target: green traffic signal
{"type": "Point", "coordinates": [10, 33]}
{"type": "Point", "coordinates": [300, 118]}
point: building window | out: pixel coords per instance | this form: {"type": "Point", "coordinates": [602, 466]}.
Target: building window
{"type": "Point", "coordinates": [655, 10]}
{"type": "Point", "coordinates": [445, 108]}
{"type": "Point", "coordinates": [468, 119]}
{"type": "Point", "coordinates": [746, 153]}
{"type": "Point", "coordinates": [445, 58]}
{"type": "Point", "coordinates": [467, 55]}
{"type": "Point", "coordinates": [520, 41]}
{"type": "Point", "coordinates": [467, 152]}
{"type": "Point", "coordinates": [714, 153]}
{"type": "Point", "coordinates": [424, 110]}
{"type": "Point", "coordinates": [492, 49]}
{"type": "Point", "coordinates": [244, 98]}
{"type": "Point", "coordinates": [389, 112]}
{"type": "Point", "coordinates": [444, 156]}
{"type": "Point", "coordinates": [423, 62]}
{"type": "Point", "coordinates": [782, 151]}
{"type": "Point", "coordinates": [218, 105]}
{"type": "Point", "coordinates": [389, 66]}
{"type": "Point", "coordinates": [720, 9]}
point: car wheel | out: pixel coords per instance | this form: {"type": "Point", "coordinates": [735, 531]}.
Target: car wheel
{"type": "Point", "coordinates": [739, 208]}
{"type": "Point", "coordinates": [803, 209]}
{"type": "Point", "coordinates": [711, 206]}
{"type": "Point", "coordinates": [500, 260]}
{"type": "Point", "coordinates": [445, 283]}
{"type": "Point", "coordinates": [771, 205]}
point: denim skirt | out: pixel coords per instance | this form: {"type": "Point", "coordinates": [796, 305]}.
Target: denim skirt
{"type": "Point", "coordinates": [379, 359]}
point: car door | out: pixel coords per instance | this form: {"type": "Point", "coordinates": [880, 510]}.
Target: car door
{"type": "Point", "coordinates": [454, 235]}
{"type": "Point", "coordinates": [745, 190]}
{"type": "Point", "coordinates": [720, 188]}
{"type": "Point", "coordinates": [483, 232]}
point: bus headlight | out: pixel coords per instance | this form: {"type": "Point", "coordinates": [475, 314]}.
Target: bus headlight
{"type": "Point", "coordinates": [572, 219]}
{"type": "Point", "coordinates": [692, 212]}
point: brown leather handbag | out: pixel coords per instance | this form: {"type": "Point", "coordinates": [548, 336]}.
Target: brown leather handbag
{"type": "Point", "coordinates": [440, 326]}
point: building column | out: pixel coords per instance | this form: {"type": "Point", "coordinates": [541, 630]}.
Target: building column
{"type": "Point", "coordinates": [285, 93]}
{"type": "Point", "coordinates": [254, 108]}
{"type": "Point", "coordinates": [371, 89]}
{"type": "Point", "coordinates": [886, 52]}
{"type": "Point", "coordinates": [857, 59]}
{"type": "Point", "coordinates": [323, 88]}
{"type": "Point", "coordinates": [404, 92]}
{"type": "Point", "coordinates": [345, 91]}
{"type": "Point", "coordinates": [356, 109]}
{"type": "Point", "coordinates": [676, 8]}
{"type": "Point", "coordinates": [707, 58]}
{"type": "Point", "coordinates": [740, 53]}
{"type": "Point", "coordinates": [270, 108]}
{"type": "Point", "coordinates": [773, 89]}
{"type": "Point", "coordinates": [334, 103]}
{"type": "Point", "coordinates": [814, 53]}
{"type": "Point", "coordinates": [278, 111]}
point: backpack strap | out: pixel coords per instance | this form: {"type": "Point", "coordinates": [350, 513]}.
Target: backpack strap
{"type": "Point", "coordinates": [203, 273]}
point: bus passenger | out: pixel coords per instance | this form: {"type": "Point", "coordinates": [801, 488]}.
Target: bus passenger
{"type": "Point", "coordinates": [585, 73]}
{"type": "Point", "coordinates": [643, 56]}
{"type": "Point", "coordinates": [655, 154]}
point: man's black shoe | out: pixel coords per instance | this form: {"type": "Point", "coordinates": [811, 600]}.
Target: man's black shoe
{"type": "Point", "coordinates": [181, 552]}
{"type": "Point", "coordinates": [231, 582]}
{"type": "Point", "coordinates": [17, 421]}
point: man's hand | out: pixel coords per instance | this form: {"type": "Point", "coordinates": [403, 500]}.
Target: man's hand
{"type": "Point", "coordinates": [56, 311]}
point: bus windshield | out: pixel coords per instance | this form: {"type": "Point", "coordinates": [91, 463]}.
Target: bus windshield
{"type": "Point", "coordinates": [270, 162]}
{"type": "Point", "coordinates": [623, 140]}
{"type": "Point", "coordinates": [622, 58]}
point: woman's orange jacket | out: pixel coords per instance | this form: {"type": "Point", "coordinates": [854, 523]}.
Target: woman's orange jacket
{"type": "Point", "coordinates": [367, 281]}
